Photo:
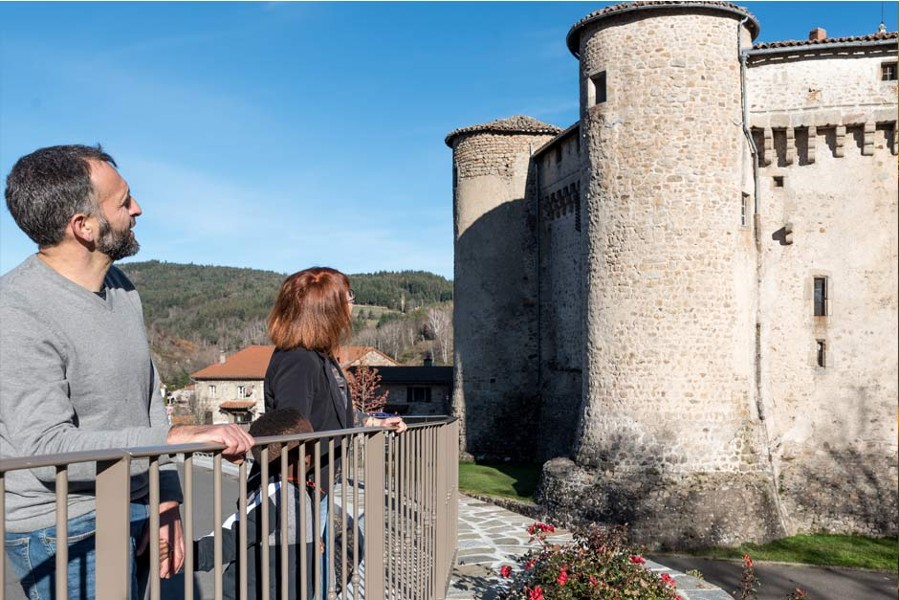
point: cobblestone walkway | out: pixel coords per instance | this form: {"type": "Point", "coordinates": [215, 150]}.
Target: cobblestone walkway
{"type": "Point", "coordinates": [491, 536]}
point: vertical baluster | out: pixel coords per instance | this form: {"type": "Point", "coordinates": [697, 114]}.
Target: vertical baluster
{"type": "Point", "coordinates": [154, 527]}
{"type": "Point", "coordinates": [3, 530]}
{"type": "Point", "coordinates": [113, 547]}
{"type": "Point", "coordinates": [282, 528]}
{"type": "Point", "coordinates": [374, 516]}
{"type": "Point", "coordinates": [242, 530]}
{"type": "Point", "coordinates": [62, 532]}
{"type": "Point", "coordinates": [217, 521]}
{"type": "Point", "coordinates": [330, 543]}
{"type": "Point", "coordinates": [264, 553]}
{"type": "Point", "coordinates": [188, 526]}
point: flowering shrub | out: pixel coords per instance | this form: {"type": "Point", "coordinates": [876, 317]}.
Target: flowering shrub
{"type": "Point", "coordinates": [749, 581]}
{"type": "Point", "coordinates": [598, 564]}
{"type": "Point", "coordinates": [749, 584]}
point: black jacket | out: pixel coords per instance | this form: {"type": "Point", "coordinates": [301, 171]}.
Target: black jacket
{"type": "Point", "coordinates": [303, 380]}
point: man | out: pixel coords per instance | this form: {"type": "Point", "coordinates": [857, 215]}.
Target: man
{"type": "Point", "coordinates": [75, 366]}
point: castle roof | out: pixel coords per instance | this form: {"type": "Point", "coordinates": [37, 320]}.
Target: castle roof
{"type": "Point", "coordinates": [811, 44]}
{"type": "Point", "coordinates": [574, 34]}
{"type": "Point", "coordinates": [516, 124]}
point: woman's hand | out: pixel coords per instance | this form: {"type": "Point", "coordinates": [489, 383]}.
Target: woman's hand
{"type": "Point", "coordinates": [395, 423]}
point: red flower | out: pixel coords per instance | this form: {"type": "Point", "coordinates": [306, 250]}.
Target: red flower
{"type": "Point", "coordinates": [541, 527]}
{"type": "Point", "coordinates": [505, 571]}
{"type": "Point", "coordinates": [593, 581]}
{"type": "Point", "coordinates": [638, 560]}
{"type": "Point", "coordinates": [529, 565]}
{"type": "Point", "coordinates": [668, 579]}
{"type": "Point", "coordinates": [536, 593]}
{"type": "Point", "coordinates": [747, 561]}
{"type": "Point", "coordinates": [562, 579]}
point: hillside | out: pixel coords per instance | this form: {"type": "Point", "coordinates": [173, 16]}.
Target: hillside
{"type": "Point", "coordinates": [194, 311]}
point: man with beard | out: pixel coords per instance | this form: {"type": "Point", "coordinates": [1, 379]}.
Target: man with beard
{"type": "Point", "coordinates": [75, 367]}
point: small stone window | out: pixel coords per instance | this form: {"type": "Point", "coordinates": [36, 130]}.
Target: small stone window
{"type": "Point", "coordinates": [598, 87]}
{"type": "Point", "coordinates": [241, 391]}
{"type": "Point", "coordinates": [888, 71]}
{"type": "Point", "coordinates": [212, 391]}
{"type": "Point", "coordinates": [821, 353]}
{"type": "Point", "coordinates": [821, 299]}
{"type": "Point", "coordinates": [778, 181]}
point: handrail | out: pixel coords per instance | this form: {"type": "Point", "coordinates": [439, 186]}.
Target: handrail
{"type": "Point", "coordinates": [400, 490]}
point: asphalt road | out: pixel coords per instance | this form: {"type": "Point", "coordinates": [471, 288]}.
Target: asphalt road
{"type": "Point", "coordinates": [778, 580]}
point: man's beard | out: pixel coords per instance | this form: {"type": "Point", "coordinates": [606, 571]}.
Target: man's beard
{"type": "Point", "coordinates": [116, 244]}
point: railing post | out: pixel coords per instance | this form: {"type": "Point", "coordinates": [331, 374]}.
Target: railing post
{"type": "Point", "coordinates": [374, 516]}
{"type": "Point", "coordinates": [3, 530]}
{"type": "Point", "coordinates": [113, 553]}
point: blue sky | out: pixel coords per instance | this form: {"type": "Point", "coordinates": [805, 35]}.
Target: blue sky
{"type": "Point", "coordinates": [282, 135]}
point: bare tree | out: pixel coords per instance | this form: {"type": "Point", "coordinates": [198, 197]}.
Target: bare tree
{"type": "Point", "coordinates": [440, 326]}
{"type": "Point", "coordinates": [365, 389]}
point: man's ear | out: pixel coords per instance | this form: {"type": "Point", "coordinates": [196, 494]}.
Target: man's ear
{"type": "Point", "coordinates": [84, 228]}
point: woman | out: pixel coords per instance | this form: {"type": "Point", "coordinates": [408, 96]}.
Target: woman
{"type": "Point", "coordinates": [312, 315]}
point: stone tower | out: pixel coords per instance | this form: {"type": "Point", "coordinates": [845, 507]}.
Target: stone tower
{"type": "Point", "coordinates": [670, 276]}
{"type": "Point", "coordinates": [495, 284]}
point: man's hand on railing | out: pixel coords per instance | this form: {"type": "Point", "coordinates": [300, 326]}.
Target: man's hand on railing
{"type": "Point", "coordinates": [171, 540]}
{"type": "Point", "coordinates": [237, 442]}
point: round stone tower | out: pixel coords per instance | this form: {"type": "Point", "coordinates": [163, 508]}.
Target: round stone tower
{"type": "Point", "coordinates": [495, 282]}
{"type": "Point", "coordinates": [667, 442]}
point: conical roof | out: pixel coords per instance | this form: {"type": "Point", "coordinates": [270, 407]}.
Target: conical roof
{"type": "Point", "coordinates": [573, 38]}
{"type": "Point", "coordinates": [516, 124]}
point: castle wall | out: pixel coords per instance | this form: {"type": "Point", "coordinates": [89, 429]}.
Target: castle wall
{"type": "Point", "coordinates": [832, 415]}
{"type": "Point", "coordinates": [670, 438]}
{"type": "Point", "coordinates": [495, 295]}
{"type": "Point", "coordinates": [561, 226]}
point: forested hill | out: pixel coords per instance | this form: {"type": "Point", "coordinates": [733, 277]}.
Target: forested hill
{"type": "Point", "coordinates": [404, 290]}
{"type": "Point", "coordinates": [193, 311]}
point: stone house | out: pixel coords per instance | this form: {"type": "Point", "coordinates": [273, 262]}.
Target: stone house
{"type": "Point", "coordinates": [231, 390]}
{"type": "Point", "coordinates": [416, 390]}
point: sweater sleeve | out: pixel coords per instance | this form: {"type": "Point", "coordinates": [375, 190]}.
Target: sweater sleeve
{"type": "Point", "coordinates": [169, 482]}
{"type": "Point", "coordinates": [37, 414]}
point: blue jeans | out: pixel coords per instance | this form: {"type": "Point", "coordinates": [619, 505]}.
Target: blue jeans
{"type": "Point", "coordinates": [33, 557]}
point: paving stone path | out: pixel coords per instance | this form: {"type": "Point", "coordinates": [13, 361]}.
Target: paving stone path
{"type": "Point", "coordinates": [491, 536]}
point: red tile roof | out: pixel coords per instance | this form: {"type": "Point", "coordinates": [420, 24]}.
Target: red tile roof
{"type": "Point", "coordinates": [249, 363]}
{"type": "Point", "coordinates": [237, 404]}
{"type": "Point", "coordinates": [252, 362]}
{"type": "Point", "coordinates": [349, 355]}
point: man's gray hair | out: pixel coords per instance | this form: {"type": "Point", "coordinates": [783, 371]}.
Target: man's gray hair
{"type": "Point", "coordinates": [48, 187]}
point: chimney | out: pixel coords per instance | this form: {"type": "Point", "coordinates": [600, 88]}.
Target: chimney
{"type": "Point", "coordinates": [428, 361]}
{"type": "Point", "coordinates": [817, 34]}
{"type": "Point", "coordinates": [221, 357]}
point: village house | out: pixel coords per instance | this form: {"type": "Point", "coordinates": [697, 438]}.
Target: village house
{"type": "Point", "coordinates": [231, 390]}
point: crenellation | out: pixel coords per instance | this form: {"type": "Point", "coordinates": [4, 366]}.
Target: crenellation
{"type": "Point", "coordinates": [839, 144]}
{"type": "Point", "coordinates": [868, 143]}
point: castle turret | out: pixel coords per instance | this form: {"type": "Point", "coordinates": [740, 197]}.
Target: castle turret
{"type": "Point", "coordinates": [670, 438]}
{"type": "Point", "coordinates": [495, 285]}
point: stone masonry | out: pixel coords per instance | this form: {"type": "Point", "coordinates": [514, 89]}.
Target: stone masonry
{"type": "Point", "coordinates": [691, 293]}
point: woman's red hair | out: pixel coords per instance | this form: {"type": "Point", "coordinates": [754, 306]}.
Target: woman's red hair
{"type": "Point", "coordinates": [311, 311]}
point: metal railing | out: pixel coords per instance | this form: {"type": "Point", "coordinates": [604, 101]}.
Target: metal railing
{"type": "Point", "coordinates": [384, 513]}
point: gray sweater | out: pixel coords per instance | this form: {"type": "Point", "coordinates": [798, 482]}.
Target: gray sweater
{"type": "Point", "coordinates": [75, 375]}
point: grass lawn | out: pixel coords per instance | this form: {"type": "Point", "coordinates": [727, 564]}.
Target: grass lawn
{"type": "Point", "coordinates": [518, 482]}
{"type": "Point", "coordinates": [819, 549]}
{"type": "Point", "coordinates": [507, 481]}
